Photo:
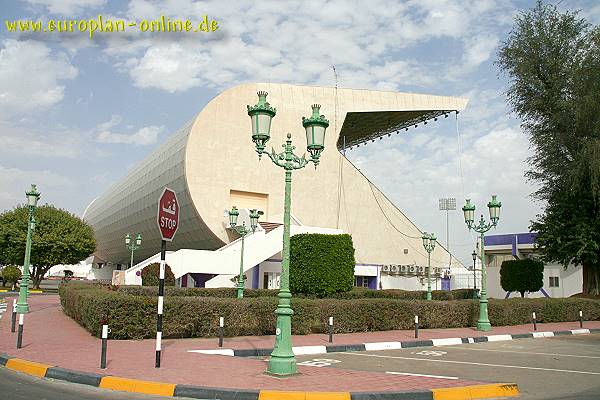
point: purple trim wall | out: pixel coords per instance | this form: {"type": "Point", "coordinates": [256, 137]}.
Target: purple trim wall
{"type": "Point", "coordinates": [372, 282]}
{"type": "Point", "coordinates": [521, 238]}
{"type": "Point", "coordinates": [255, 277]}
{"type": "Point", "coordinates": [201, 279]}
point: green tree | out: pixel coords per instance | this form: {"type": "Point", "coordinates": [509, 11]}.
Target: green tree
{"type": "Point", "coordinates": [150, 275]}
{"type": "Point", "coordinates": [10, 274]}
{"type": "Point", "coordinates": [59, 238]}
{"type": "Point", "coordinates": [321, 264]}
{"type": "Point", "coordinates": [522, 276]}
{"type": "Point", "coordinates": [553, 62]}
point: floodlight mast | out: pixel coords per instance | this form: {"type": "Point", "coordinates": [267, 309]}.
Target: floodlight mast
{"type": "Point", "coordinates": [448, 204]}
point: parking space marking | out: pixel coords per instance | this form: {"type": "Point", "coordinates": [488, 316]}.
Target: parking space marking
{"type": "Point", "coordinates": [433, 353]}
{"type": "Point", "coordinates": [423, 375]}
{"type": "Point", "coordinates": [475, 363]}
{"type": "Point", "coordinates": [319, 362]}
{"type": "Point", "coordinates": [530, 352]}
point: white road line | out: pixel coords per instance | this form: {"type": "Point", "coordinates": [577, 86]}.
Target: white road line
{"type": "Point", "coordinates": [529, 352]}
{"type": "Point", "coordinates": [222, 352]}
{"type": "Point", "coordinates": [423, 375]}
{"type": "Point", "coordinates": [474, 363]}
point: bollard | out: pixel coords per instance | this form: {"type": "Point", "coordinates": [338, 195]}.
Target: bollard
{"type": "Point", "coordinates": [104, 343]}
{"type": "Point", "coordinates": [534, 322]}
{"type": "Point", "coordinates": [14, 316]}
{"type": "Point", "coordinates": [221, 330]}
{"type": "Point", "coordinates": [330, 329]}
{"type": "Point", "coordinates": [416, 326]}
{"type": "Point", "coordinates": [581, 318]}
{"type": "Point", "coordinates": [20, 334]}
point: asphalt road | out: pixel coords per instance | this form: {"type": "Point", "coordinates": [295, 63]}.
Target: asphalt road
{"type": "Point", "coordinates": [563, 367]}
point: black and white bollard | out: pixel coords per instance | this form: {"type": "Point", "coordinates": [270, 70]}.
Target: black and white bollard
{"type": "Point", "coordinates": [14, 316]}
{"type": "Point", "coordinates": [416, 326]}
{"type": "Point", "coordinates": [330, 329]}
{"type": "Point", "coordinates": [20, 334]}
{"type": "Point", "coordinates": [221, 330]}
{"type": "Point", "coordinates": [104, 343]}
{"type": "Point", "coordinates": [534, 322]}
{"type": "Point", "coordinates": [161, 293]}
{"type": "Point", "coordinates": [581, 318]}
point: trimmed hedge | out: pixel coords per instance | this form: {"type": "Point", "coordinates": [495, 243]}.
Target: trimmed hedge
{"type": "Point", "coordinates": [133, 316]}
{"type": "Point", "coordinates": [151, 272]}
{"type": "Point", "coordinates": [320, 264]}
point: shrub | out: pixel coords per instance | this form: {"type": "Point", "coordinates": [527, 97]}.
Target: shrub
{"type": "Point", "coordinates": [11, 274]}
{"type": "Point", "coordinates": [522, 276]}
{"type": "Point", "coordinates": [321, 264]}
{"type": "Point", "coordinates": [133, 316]}
{"type": "Point", "coordinates": [150, 275]}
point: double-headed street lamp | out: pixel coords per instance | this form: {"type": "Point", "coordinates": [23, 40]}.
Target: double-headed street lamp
{"type": "Point", "coordinates": [283, 361]}
{"type": "Point", "coordinates": [474, 255]}
{"type": "Point", "coordinates": [483, 324]}
{"type": "Point", "coordinates": [133, 246]}
{"type": "Point", "coordinates": [429, 245]}
{"type": "Point", "coordinates": [243, 231]}
{"type": "Point", "coordinates": [32, 198]}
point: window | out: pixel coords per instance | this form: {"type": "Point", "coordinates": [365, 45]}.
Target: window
{"type": "Point", "coordinates": [361, 281]}
{"type": "Point", "coordinates": [554, 281]}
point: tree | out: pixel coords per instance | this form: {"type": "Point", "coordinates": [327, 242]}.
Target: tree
{"type": "Point", "coordinates": [321, 264]}
{"type": "Point", "coordinates": [553, 62]}
{"type": "Point", "coordinates": [150, 275]}
{"type": "Point", "coordinates": [522, 276]}
{"type": "Point", "coordinates": [59, 238]}
{"type": "Point", "coordinates": [10, 274]}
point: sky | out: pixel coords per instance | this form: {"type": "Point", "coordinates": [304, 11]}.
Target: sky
{"type": "Point", "coordinates": [76, 113]}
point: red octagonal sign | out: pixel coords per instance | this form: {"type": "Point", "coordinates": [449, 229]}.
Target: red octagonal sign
{"type": "Point", "coordinates": [168, 214]}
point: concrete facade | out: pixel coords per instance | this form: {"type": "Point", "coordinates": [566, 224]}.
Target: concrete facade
{"type": "Point", "coordinates": [211, 164]}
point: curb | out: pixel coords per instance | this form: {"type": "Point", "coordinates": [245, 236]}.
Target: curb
{"type": "Point", "coordinates": [174, 390]}
{"type": "Point", "coordinates": [306, 350]}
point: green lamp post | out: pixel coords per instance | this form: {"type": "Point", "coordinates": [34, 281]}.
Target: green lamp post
{"type": "Point", "coordinates": [283, 361]}
{"type": "Point", "coordinates": [133, 246]}
{"type": "Point", "coordinates": [429, 245]}
{"type": "Point", "coordinates": [32, 198]}
{"type": "Point", "coordinates": [483, 324]}
{"type": "Point", "coordinates": [474, 256]}
{"type": "Point", "coordinates": [243, 231]}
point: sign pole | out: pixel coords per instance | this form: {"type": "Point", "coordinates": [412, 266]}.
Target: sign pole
{"type": "Point", "coordinates": [161, 292]}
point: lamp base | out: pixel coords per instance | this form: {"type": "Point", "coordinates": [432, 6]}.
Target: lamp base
{"type": "Point", "coordinates": [484, 326]}
{"type": "Point", "coordinates": [282, 366]}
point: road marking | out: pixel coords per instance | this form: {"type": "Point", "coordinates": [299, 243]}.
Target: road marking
{"type": "Point", "coordinates": [423, 375]}
{"type": "Point", "coordinates": [446, 342]}
{"type": "Point", "coordinates": [432, 353]}
{"type": "Point", "coordinates": [474, 363]}
{"type": "Point", "coordinates": [319, 362]}
{"type": "Point", "coordinates": [530, 352]}
{"type": "Point", "coordinates": [498, 338]}
{"type": "Point", "coordinates": [382, 346]}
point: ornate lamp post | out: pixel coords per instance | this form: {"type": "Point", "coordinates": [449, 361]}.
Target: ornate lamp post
{"type": "Point", "coordinates": [282, 360]}
{"type": "Point", "coordinates": [32, 198]}
{"type": "Point", "coordinates": [483, 324]}
{"type": "Point", "coordinates": [133, 246]}
{"type": "Point", "coordinates": [474, 255]}
{"type": "Point", "coordinates": [243, 231]}
{"type": "Point", "coordinates": [429, 245]}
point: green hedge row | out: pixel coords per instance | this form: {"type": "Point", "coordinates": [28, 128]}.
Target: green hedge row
{"type": "Point", "coordinates": [133, 316]}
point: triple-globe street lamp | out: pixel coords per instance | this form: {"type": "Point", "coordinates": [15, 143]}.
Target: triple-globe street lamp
{"type": "Point", "coordinates": [429, 240]}
{"type": "Point", "coordinates": [133, 246]}
{"type": "Point", "coordinates": [283, 361]}
{"type": "Point", "coordinates": [32, 198]}
{"type": "Point", "coordinates": [243, 231]}
{"type": "Point", "coordinates": [483, 324]}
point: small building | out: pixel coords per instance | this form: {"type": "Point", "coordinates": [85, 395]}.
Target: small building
{"type": "Point", "coordinates": [558, 281]}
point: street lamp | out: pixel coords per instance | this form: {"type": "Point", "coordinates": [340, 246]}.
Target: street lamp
{"type": "Point", "coordinates": [32, 198]}
{"type": "Point", "coordinates": [474, 255]}
{"type": "Point", "coordinates": [133, 246]}
{"type": "Point", "coordinates": [282, 361]}
{"type": "Point", "coordinates": [429, 245]}
{"type": "Point", "coordinates": [483, 324]}
{"type": "Point", "coordinates": [243, 231]}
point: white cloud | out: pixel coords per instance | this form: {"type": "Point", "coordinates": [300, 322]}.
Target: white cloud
{"type": "Point", "coordinates": [144, 136]}
{"type": "Point", "coordinates": [31, 76]}
{"type": "Point", "coordinates": [478, 50]}
{"type": "Point", "coordinates": [67, 7]}
{"type": "Point", "coordinates": [25, 141]}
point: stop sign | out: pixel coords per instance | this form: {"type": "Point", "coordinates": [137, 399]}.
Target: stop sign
{"type": "Point", "coordinates": [168, 214]}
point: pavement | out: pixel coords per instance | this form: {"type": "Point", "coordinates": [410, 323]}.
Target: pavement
{"type": "Point", "coordinates": [55, 340]}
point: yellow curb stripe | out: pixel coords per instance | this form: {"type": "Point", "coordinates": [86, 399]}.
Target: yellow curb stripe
{"type": "Point", "coordinates": [137, 386]}
{"type": "Point", "coordinates": [3, 290]}
{"type": "Point", "coordinates": [277, 395]}
{"type": "Point", "coordinates": [28, 367]}
{"type": "Point", "coordinates": [476, 392]}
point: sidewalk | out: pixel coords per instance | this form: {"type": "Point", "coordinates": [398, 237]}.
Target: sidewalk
{"type": "Point", "coordinates": [51, 337]}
